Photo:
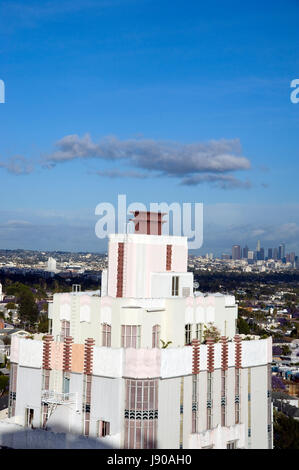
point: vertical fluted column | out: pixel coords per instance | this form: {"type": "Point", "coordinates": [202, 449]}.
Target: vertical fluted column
{"type": "Point", "coordinates": [67, 354]}
{"type": "Point", "coordinates": [210, 367]}
{"type": "Point", "coordinates": [47, 360]}
{"type": "Point", "coordinates": [88, 365]}
{"type": "Point", "coordinates": [238, 366]}
{"type": "Point", "coordinates": [47, 347]}
{"type": "Point", "coordinates": [224, 367]}
{"type": "Point", "coordinates": [210, 344]}
{"type": "Point", "coordinates": [195, 372]}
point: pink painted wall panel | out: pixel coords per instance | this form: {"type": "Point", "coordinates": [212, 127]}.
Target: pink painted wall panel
{"type": "Point", "coordinates": [142, 363]}
{"type": "Point", "coordinates": [156, 262]}
{"type": "Point", "coordinates": [77, 358]}
{"type": "Point", "coordinates": [112, 268]}
{"type": "Point", "coordinates": [56, 356]}
{"type": "Point", "coordinates": [130, 274]}
{"type": "Point", "coordinates": [179, 259]}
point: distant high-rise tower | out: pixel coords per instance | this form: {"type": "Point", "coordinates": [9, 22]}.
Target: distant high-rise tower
{"type": "Point", "coordinates": [275, 254]}
{"type": "Point", "coordinates": [258, 246]}
{"type": "Point", "coordinates": [292, 257]}
{"type": "Point", "coordinates": [245, 252]}
{"type": "Point", "coordinates": [270, 253]}
{"type": "Point", "coordinates": [236, 252]}
{"type": "Point", "coordinates": [281, 251]}
{"type": "Point", "coordinates": [260, 255]}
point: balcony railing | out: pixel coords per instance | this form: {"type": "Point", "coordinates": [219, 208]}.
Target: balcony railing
{"type": "Point", "coordinates": [50, 396]}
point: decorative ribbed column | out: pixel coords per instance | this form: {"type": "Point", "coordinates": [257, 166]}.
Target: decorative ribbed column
{"type": "Point", "coordinates": [47, 347]}
{"type": "Point", "coordinates": [195, 356]}
{"type": "Point", "coordinates": [168, 257]}
{"type": "Point", "coordinates": [47, 351]}
{"type": "Point", "coordinates": [88, 355]}
{"type": "Point", "coordinates": [238, 351]}
{"type": "Point", "coordinates": [88, 365]}
{"type": "Point", "coordinates": [238, 366]}
{"type": "Point", "coordinates": [210, 367]}
{"type": "Point", "coordinates": [224, 353]}
{"type": "Point", "coordinates": [67, 354]}
{"type": "Point", "coordinates": [120, 269]}
{"type": "Point", "coordinates": [210, 344]}
{"type": "Point", "coordinates": [224, 367]}
{"type": "Point", "coordinates": [12, 389]}
{"type": "Point", "coordinates": [195, 372]}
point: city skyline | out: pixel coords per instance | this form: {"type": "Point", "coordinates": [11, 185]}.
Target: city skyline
{"type": "Point", "coordinates": [277, 253]}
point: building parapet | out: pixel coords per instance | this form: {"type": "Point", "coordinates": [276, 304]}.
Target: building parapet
{"type": "Point", "coordinates": [140, 363]}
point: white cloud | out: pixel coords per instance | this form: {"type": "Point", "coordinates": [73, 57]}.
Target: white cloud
{"type": "Point", "coordinates": [195, 163]}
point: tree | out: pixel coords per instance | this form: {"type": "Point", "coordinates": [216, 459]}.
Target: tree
{"type": "Point", "coordinates": [43, 326]}
{"type": "Point", "coordinates": [4, 384]}
{"type": "Point", "coordinates": [277, 383]}
{"type": "Point", "coordinates": [6, 340]}
{"type": "Point", "coordinates": [286, 432]}
{"type": "Point", "coordinates": [285, 350]}
{"type": "Point", "coordinates": [277, 351]}
{"type": "Point", "coordinates": [28, 311]}
{"type": "Point", "coordinates": [243, 326]}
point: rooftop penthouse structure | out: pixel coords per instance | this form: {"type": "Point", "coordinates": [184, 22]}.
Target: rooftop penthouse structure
{"type": "Point", "coordinates": [132, 364]}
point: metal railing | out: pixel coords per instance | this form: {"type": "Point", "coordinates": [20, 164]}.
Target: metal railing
{"type": "Point", "coordinates": [50, 396]}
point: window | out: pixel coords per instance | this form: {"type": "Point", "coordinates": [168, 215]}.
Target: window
{"type": "Point", "coordinates": [156, 336]}
{"type": "Point", "coordinates": [209, 401]}
{"type": "Point", "coordinates": [50, 323]}
{"type": "Point", "coordinates": [231, 445]}
{"type": "Point", "coordinates": [46, 379]}
{"type": "Point", "coordinates": [195, 387]}
{"type": "Point", "coordinates": [188, 333]}
{"type": "Point", "coordinates": [209, 418]}
{"type": "Point", "coordinates": [237, 396]}
{"type": "Point", "coordinates": [65, 329]}
{"type": "Point", "coordinates": [103, 428]}
{"type": "Point", "coordinates": [223, 383]}
{"type": "Point", "coordinates": [106, 335]}
{"type": "Point", "coordinates": [223, 416]}
{"type": "Point", "coordinates": [175, 286]}
{"type": "Point", "coordinates": [223, 398]}
{"type": "Point", "coordinates": [130, 336]}
{"type": "Point", "coordinates": [66, 383]}
{"type": "Point", "coordinates": [29, 414]}
{"type": "Point", "coordinates": [141, 414]}
{"type": "Point", "coordinates": [199, 332]}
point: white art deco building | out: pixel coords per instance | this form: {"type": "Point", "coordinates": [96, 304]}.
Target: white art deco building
{"type": "Point", "coordinates": [130, 365]}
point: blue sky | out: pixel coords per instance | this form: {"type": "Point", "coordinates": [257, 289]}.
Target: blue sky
{"type": "Point", "coordinates": [159, 100]}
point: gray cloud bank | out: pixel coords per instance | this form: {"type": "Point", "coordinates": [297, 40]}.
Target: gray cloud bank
{"type": "Point", "coordinates": [212, 162]}
{"type": "Point", "coordinates": [223, 226]}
